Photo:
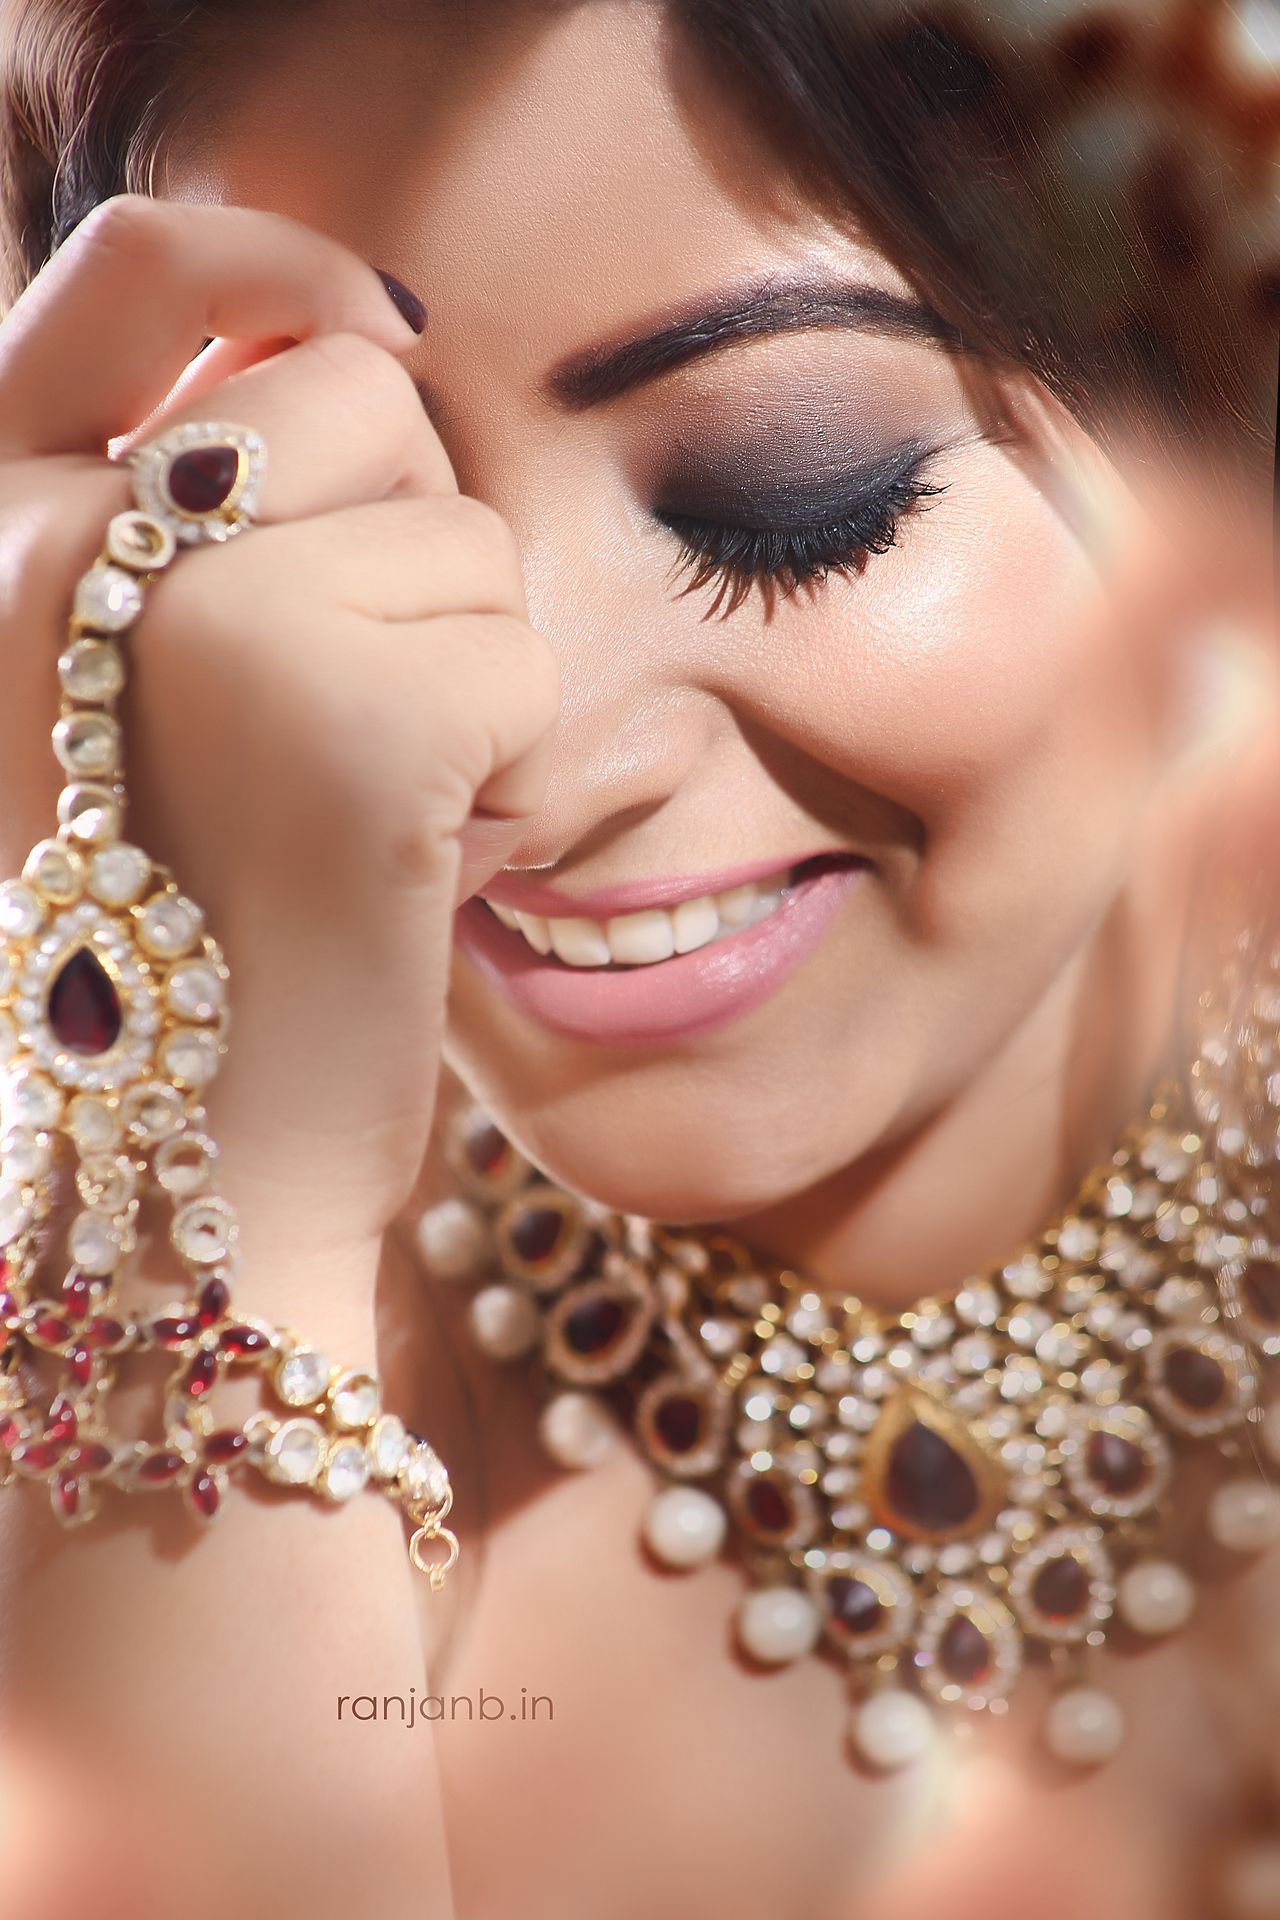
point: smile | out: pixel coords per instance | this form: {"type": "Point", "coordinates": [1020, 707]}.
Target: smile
{"type": "Point", "coordinates": [663, 972]}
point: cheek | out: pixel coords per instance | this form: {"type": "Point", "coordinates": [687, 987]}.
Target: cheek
{"type": "Point", "coordinates": [983, 680]}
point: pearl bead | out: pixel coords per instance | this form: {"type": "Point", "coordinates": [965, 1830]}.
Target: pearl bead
{"type": "Point", "coordinates": [578, 1430]}
{"type": "Point", "coordinates": [1244, 1515]}
{"type": "Point", "coordinates": [893, 1728]}
{"type": "Point", "coordinates": [1155, 1597]}
{"type": "Point", "coordinates": [1251, 1882]}
{"type": "Point", "coordinates": [776, 1624]}
{"type": "Point", "coordinates": [1271, 1431]}
{"type": "Point", "coordinates": [453, 1239]}
{"type": "Point", "coordinates": [1084, 1726]}
{"type": "Point", "coordinates": [684, 1527]}
{"type": "Point", "coordinates": [505, 1322]}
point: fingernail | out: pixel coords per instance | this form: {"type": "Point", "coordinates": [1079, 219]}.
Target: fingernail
{"type": "Point", "coordinates": [406, 304]}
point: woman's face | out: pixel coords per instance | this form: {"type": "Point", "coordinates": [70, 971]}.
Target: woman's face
{"type": "Point", "coordinates": [961, 729]}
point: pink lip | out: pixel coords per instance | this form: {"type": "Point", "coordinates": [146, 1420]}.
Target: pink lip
{"type": "Point", "coordinates": [672, 1000]}
{"type": "Point", "coordinates": [527, 897]}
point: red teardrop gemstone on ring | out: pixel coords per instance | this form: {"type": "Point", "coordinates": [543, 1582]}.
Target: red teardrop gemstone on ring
{"type": "Point", "coordinates": [855, 1607]}
{"type": "Point", "coordinates": [1195, 1378]}
{"type": "Point", "coordinates": [84, 1007]}
{"type": "Point", "coordinates": [204, 1495]}
{"type": "Point", "coordinates": [1060, 1591]}
{"type": "Point", "coordinates": [1114, 1463]}
{"type": "Point", "coordinates": [200, 480]}
{"type": "Point", "coordinates": [928, 1484]}
{"type": "Point", "coordinates": [595, 1325]}
{"type": "Point", "coordinates": [963, 1651]}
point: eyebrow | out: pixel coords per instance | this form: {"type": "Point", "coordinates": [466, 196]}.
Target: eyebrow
{"type": "Point", "coordinates": [769, 307]}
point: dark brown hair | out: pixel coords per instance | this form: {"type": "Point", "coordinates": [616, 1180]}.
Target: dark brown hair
{"type": "Point", "coordinates": [1087, 202]}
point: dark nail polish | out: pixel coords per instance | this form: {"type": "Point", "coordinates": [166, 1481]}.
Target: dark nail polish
{"type": "Point", "coordinates": [406, 304]}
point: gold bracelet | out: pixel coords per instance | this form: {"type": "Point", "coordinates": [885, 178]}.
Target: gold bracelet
{"type": "Point", "coordinates": [113, 1022]}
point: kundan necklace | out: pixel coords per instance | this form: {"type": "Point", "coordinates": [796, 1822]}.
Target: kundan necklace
{"type": "Point", "coordinates": [941, 1495]}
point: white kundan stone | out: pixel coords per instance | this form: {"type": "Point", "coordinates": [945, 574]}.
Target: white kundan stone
{"type": "Point", "coordinates": [203, 1232]}
{"type": "Point", "coordinates": [191, 1056]}
{"type": "Point", "coordinates": [92, 670]}
{"type": "Point", "coordinates": [1155, 1597]}
{"type": "Point", "coordinates": [94, 1126]}
{"type": "Point", "coordinates": [93, 1243]}
{"type": "Point", "coordinates": [387, 1444]}
{"type": "Point", "coordinates": [777, 1624]}
{"type": "Point", "coordinates": [20, 911]}
{"type": "Point", "coordinates": [345, 1471]}
{"type": "Point", "coordinates": [505, 1322]}
{"type": "Point", "coordinates": [108, 598]}
{"type": "Point", "coordinates": [118, 875]}
{"type": "Point", "coordinates": [684, 1527]}
{"type": "Point", "coordinates": [169, 926]}
{"type": "Point", "coordinates": [195, 991]}
{"type": "Point", "coordinates": [90, 812]}
{"type": "Point", "coordinates": [355, 1399]}
{"type": "Point", "coordinates": [577, 1429]}
{"type": "Point", "coordinates": [88, 744]}
{"type": "Point", "coordinates": [24, 1156]}
{"type": "Point", "coordinates": [893, 1729]}
{"type": "Point", "coordinates": [302, 1376]}
{"type": "Point", "coordinates": [1244, 1515]}
{"type": "Point", "coordinates": [1084, 1726]}
{"type": "Point", "coordinates": [453, 1239]}
{"type": "Point", "coordinates": [55, 870]}
{"type": "Point", "coordinates": [29, 1100]}
{"type": "Point", "coordinates": [294, 1452]}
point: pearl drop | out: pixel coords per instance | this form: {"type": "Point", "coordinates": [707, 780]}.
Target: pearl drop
{"type": "Point", "coordinates": [1245, 1516]}
{"type": "Point", "coordinates": [1251, 1882]}
{"type": "Point", "coordinates": [684, 1527]}
{"type": "Point", "coordinates": [505, 1322]}
{"type": "Point", "coordinates": [1084, 1726]}
{"type": "Point", "coordinates": [1271, 1431]}
{"type": "Point", "coordinates": [453, 1239]}
{"type": "Point", "coordinates": [893, 1728]}
{"type": "Point", "coordinates": [578, 1430]}
{"type": "Point", "coordinates": [776, 1624]}
{"type": "Point", "coordinates": [1155, 1597]}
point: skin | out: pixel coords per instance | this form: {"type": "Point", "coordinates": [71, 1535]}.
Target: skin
{"type": "Point", "coordinates": [1000, 712]}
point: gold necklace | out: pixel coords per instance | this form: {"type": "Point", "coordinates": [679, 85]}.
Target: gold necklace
{"type": "Point", "coordinates": [941, 1495]}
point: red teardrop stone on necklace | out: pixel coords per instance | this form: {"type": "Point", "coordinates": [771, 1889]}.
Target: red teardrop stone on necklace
{"type": "Point", "coordinates": [677, 1421]}
{"type": "Point", "coordinates": [1195, 1378]}
{"type": "Point", "coordinates": [535, 1233]}
{"type": "Point", "coordinates": [964, 1653]}
{"type": "Point", "coordinates": [84, 1007]}
{"type": "Point", "coordinates": [1114, 1463]}
{"type": "Point", "coordinates": [768, 1507]}
{"type": "Point", "coordinates": [593, 1326]}
{"type": "Point", "coordinates": [200, 480]}
{"type": "Point", "coordinates": [928, 1484]}
{"type": "Point", "coordinates": [855, 1607]}
{"type": "Point", "coordinates": [1060, 1591]}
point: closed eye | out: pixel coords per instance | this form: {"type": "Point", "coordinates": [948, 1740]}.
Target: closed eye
{"type": "Point", "coordinates": [779, 558]}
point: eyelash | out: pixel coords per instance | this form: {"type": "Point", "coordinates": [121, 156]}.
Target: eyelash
{"type": "Point", "coordinates": [784, 559]}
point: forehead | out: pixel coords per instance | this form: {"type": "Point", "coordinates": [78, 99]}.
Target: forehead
{"type": "Point", "coordinates": [574, 168]}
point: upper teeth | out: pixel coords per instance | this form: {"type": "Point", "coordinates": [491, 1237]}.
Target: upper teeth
{"type": "Point", "coordinates": [640, 939]}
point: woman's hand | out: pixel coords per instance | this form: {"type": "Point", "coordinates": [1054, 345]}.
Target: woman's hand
{"type": "Point", "coordinates": [317, 708]}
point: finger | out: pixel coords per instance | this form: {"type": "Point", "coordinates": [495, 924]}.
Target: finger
{"type": "Point", "coordinates": [101, 334]}
{"type": "Point", "coordinates": [392, 560]}
{"type": "Point", "coordinates": [342, 421]}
